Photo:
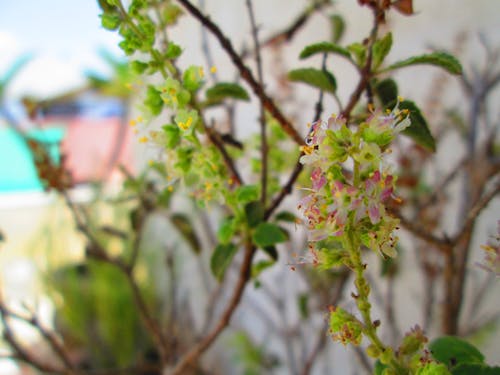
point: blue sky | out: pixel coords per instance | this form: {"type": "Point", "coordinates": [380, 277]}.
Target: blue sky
{"type": "Point", "coordinates": [63, 35]}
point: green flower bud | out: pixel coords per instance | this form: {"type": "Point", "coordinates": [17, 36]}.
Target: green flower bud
{"type": "Point", "coordinates": [373, 351]}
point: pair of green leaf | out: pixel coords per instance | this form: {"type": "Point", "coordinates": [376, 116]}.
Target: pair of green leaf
{"type": "Point", "coordinates": [386, 89]}
{"type": "Point", "coordinates": [381, 49]}
{"type": "Point", "coordinates": [265, 236]}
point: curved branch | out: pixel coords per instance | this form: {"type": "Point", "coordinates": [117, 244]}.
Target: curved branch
{"type": "Point", "coordinates": [26, 356]}
{"type": "Point", "coordinates": [286, 189]}
{"type": "Point", "coordinates": [245, 72]}
{"type": "Point", "coordinates": [476, 210]}
{"type": "Point", "coordinates": [289, 32]}
{"type": "Point", "coordinates": [216, 140]}
{"type": "Point", "coordinates": [223, 322]}
{"type": "Point", "coordinates": [444, 245]}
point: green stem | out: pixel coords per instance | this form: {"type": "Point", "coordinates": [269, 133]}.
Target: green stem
{"type": "Point", "coordinates": [154, 53]}
{"type": "Point", "coordinates": [353, 246]}
{"type": "Point", "coordinates": [362, 301]}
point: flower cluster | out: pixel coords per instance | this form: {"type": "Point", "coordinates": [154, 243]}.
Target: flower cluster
{"type": "Point", "coordinates": [344, 327]}
{"type": "Point", "coordinates": [349, 183]}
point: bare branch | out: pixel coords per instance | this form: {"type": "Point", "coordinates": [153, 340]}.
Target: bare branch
{"type": "Point", "coordinates": [245, 72]}
{"type": "Point", "coordinates": [477, 208]}
{"type": "Point", "coordinates": [441, 244]}
{"type": "Point", "coordinates": [262, 119]}
{"type": "Point", "coordinates": [192, 356]}
{"type": "Point", "coordinates": [26, 355]}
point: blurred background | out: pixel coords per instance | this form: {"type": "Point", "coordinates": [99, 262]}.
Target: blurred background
{"type": "Point", "coordinates": [65, 83]}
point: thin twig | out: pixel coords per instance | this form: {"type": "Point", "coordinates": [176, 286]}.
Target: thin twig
{"type": "Point", "coordinates": [479, 294]}
{"type": "Point", "coordinates": [49, 336]}
{"type": "Point", "coordinates": [443, 245]}
{"type": "Point", "coordinates": [441, 186]}
{"type": "Point", "coordinates": [97, 251]}
{"type": "Point", "coordinates": [365, 73]}
{"type": "Point", "coordinates": [319, 103]}
{"type": "Point", "coordinates": [289, 32]}
{"type": "Point", "coordinates": [262, 119]}
{"type": "Point", "coordinates": [477, 208]}
{"type": "Point", "coordinates": [214, 137]}
{"type": "Point", "coordinates": [245, 72]}
{"type": "Point", "coordinates": [23, 354]}
{"type": "Point", "coordinates": [286, 189]}
{"type": "Point", "coordinates": [192, 356]}
{"type": "Point", "coordinates": [151, 324]}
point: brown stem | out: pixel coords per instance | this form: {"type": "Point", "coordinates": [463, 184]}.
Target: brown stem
{"type": "Point", "coordinates": [443, 245]}
{"type": "Point", "coordinates": [98, 252]}
{"type": "Point", "coordinates": [262, 120]}
{"type": "Point", "coordinates": [245, 72]}
{"type": "Point", "coordinates": [365, 72]}
{"type": "Point", "coordinates": [285, 190]}
{"type": "Point", "coordinates": [456, 263]}
{"type": "Point", "coordinates": [288, 33]}
{"type": "Point", "coordinates": [192, 356]}
{"type": "Point", "coordinates": [217, 142]}
{"type": "Point", "coordinates": [25, 355]}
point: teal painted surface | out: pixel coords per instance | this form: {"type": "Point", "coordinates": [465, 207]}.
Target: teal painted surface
{"type": "Point", "coordinates": [17, 170]}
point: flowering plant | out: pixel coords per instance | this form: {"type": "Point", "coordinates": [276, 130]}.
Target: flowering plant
{"type": "Point", "coordinates": [236, 220]}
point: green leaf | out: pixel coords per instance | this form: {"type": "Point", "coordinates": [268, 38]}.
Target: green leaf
{"type": "Point", "coordinates": [226, 230]}
{"type": "Point", "coordinates": [184, 157]}
{"type": "Point", "coordinates": [321, 79]}
{"type": "Point", "coordinates": [302, 302]}
{"type": "Point", "coordinates": [172, 135]}
{"type": "Point", "coordinates": [440, 59]}
{"type": "Point", "coordinates": [285, 216]}
{"type": "Point", "coordinates": [387, 91]}
{"type": "Point", "coordinates": [224, 90]}
{"type": "Point", "coordinates": [379, 367]}
{"type": "Point", "coordinates": [163, 198]}
{"type": "Point", "coordinates": [433, 369]}
{"type": "Point", "coordinates": [272, 252]}
{"type": "Point", "coordinates": [260, 266]}
{"type": "Point", "coordinates": [186, 229]}
{"type": "Point", "coordinates": [153, 100]}
{"type": "Point", "coordinates": [268, 234]}
{"type": "Point", "coordinates": [475, 369]}
{"type": "Point", "coordinates": [128, 46]}
{"type": "Point", "coordinates": [173, 51]}
{"type": "Point", "coordinates": [171, 14]}
{"type": "Point", "coordinates": [138, 66]}
{"type": "Point", "coordinates": [247, 193]}
{"type": "Point", "coordinates": [323, 47]}
{"type": "Point", "coordinates": [221, 259]}
{"type": "Point", "coordinates": [454, 351]}
{"type": "Point", "coordinates": [338, 27]}
{"type": "Point", "coordinates": [110, 21]}
{"type": "Point", "coordinates": [418, 130]}
{"type": "Point", "coordinates": [380, 50]}
{"type": "Point", "coordinates": [254, 212]}
{"type": "Point", "coordinates": [358, 52]}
